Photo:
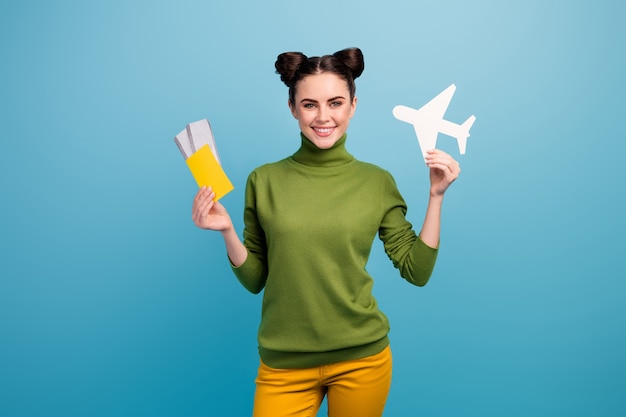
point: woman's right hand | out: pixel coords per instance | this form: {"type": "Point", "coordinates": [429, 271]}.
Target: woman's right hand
{"type": "Point", "coordinates": [209, 214]}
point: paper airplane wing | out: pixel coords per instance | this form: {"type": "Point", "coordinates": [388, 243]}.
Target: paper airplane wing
{"type": "Point", "coordinates": [435, 109]}
{"type": "Point", "coordinates": [426, 137]}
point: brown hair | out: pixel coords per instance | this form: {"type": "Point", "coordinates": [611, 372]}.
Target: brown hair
{"type": "Point", "coordinates": [348, 64]}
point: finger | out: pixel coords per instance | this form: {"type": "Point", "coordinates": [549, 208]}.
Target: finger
{"type": "Point", "coordinates": [208, 208]}
{"type": "Point", "coordinates": [202, 198]}
{"type": "Point", "coordinates": [438, 152]}
{"type": "Point", "coordinates": [434, 159]}
{"type": "Point", "coordinates": [442, 162]}
{"type": "Point", "coordinates": [443, 159]}
{"type": "Point", "coordinates": [200, 194]}
{"type": "Point", "coordinates": [204, 210]}
{"type": "Point", "coordinates": [449, 172]}
{"type": "Point", "coordinates": [442, 168]}
{"type": "Point", "coordinates": [199, 207]}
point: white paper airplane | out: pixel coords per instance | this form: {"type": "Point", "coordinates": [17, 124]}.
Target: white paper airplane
{"type": "Point", "coordinates": [428, 121]}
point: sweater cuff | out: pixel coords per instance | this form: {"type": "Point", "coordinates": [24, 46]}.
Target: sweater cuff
{"type": "Point", "coordinates": [436, 248]}
{"type": "Point", "coordinates": [250, 273]}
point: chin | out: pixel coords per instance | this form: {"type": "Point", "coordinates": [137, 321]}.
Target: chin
{"type": "Point", "coordinates": [323, 142]}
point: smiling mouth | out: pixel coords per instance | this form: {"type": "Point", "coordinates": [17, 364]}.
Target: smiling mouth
{"type": "Point", "coordinates": [323, 131]}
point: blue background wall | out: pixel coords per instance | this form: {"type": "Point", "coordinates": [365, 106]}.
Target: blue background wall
{"type": "Point", "coordinates": [113, 304]}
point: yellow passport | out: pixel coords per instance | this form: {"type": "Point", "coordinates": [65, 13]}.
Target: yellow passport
{"type": "Point", "coordinates": [208, 172]}
{"type": "Point", "coordinates": [197, 145]}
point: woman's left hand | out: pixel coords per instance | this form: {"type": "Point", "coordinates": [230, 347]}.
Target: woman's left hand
{"type": "Point", "coordinates": [443, 171]}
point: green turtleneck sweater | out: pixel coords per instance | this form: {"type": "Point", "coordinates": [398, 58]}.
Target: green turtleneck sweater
{"type": "Point", "coordinates": [310, 221]}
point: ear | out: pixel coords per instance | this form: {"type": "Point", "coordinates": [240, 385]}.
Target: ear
{"type": "Point", "coordinates": [294, 113]}
{"type": "Point", "coordinates": [353, 107]}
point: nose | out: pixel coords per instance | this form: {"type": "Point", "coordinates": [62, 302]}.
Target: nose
{"type": "Point", "coordinates": [323, 113]}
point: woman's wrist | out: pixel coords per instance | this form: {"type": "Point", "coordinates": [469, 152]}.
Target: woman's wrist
{"type": "Point", "coordinates": [436, 196]}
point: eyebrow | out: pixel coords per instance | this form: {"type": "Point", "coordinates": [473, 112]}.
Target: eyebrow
{"type": "Point", "coordinates": [315, 101]}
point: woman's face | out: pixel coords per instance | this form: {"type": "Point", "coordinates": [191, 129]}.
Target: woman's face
{"type": "Point", "coordinates": [323, 108]}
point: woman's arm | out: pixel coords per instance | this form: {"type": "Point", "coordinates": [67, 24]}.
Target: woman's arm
{"type": "Point", "coordinates": [443, 171]}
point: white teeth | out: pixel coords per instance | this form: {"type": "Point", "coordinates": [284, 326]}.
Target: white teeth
{"type": "Point", "coordinates": [324, 129]}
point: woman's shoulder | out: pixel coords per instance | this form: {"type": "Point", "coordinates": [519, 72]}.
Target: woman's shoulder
{"type": "Point", "coordinates": [269, 168]}
{"type": "Point", "coordinates": [372, 168]}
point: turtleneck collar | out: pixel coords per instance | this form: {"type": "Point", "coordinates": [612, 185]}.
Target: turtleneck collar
{"type": "Point", "coordinates": [309, 154]}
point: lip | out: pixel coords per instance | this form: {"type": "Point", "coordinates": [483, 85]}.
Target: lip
{"type": "Point", "coordinates": [324, 131]}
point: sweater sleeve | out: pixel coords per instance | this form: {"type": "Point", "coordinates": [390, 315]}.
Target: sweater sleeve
{"type": "Point", "coordinates": [252, 274]}
{"type": "Point", "coordinates": [414, 259]}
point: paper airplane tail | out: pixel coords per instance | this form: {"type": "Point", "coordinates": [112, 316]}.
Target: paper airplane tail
{"type": "Point", "coordinates": [467, 125]}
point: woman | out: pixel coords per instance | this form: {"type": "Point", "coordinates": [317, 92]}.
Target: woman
{"type": "Point", "coordinates": [310, 220]}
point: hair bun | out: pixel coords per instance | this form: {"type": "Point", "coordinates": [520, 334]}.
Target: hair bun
{"type": "Point", "coordinates": [287, 64]}
{"type": "Point", "coordinates": [347, 64]}
{"type": "Point", "coordinates": [353, 59]}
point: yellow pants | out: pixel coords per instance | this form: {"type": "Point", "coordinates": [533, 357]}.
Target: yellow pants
{"type": "Point", "coordinates": [356, 388]}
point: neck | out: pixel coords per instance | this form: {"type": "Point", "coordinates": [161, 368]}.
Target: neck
{"type": "Point", "coordinates": [309, 154]}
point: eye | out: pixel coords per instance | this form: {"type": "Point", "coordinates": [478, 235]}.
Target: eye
{"type": "Point", "coordinates": [308, 105]}
{"type": "Point", "coordinates": [336, 103]}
